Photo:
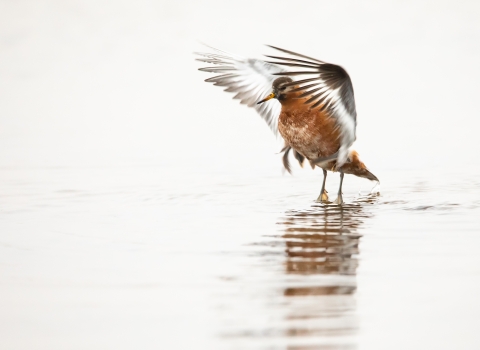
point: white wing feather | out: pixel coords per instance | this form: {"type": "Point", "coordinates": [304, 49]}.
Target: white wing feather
{"type": "Point", "coordinates": [251, 79]}
{"type": "Point", "coordinates": [330, 88]}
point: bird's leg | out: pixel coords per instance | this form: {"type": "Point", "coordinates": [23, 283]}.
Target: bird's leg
{"type": "Point", "coordinates": [323, 197]}
{"type": "Point", "coordinates": [339, 199]}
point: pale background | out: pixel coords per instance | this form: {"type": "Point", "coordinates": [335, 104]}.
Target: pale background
{"type": "Point", "coordinates": [97, 82]}
{"type": "Point", "coordinates": [127, 182]}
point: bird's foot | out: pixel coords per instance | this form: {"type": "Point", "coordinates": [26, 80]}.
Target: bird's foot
{"type": "Point", "coordinates": [339, 200]}
{"type": "Point", "coordinates": [323, 198]}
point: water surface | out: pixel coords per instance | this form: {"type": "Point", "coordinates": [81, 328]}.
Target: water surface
{"type": "Point", "coordinates": [221, 262]}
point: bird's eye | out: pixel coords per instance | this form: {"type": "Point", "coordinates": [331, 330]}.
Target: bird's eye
{"type": "Point", "coordinates": [282, 88]}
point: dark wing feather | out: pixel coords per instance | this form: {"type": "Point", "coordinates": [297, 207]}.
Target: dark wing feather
{"type": "Point", "coordinates": [286, 163]}
{"type": "Point", "coordinates": [331, 90]}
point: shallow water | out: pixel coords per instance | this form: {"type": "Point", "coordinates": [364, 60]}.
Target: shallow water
{"type": "Point", "coordinates": [142, 209]}
{"type": "Point", "coordinates": [196, 261]}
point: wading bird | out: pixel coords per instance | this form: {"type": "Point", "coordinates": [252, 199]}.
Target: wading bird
{"type": "Point", "coordinates": [315, 115]}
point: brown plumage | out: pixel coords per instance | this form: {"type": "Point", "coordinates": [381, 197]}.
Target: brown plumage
{"type": "Point", "coordinates": [356, 167]}
{"type": "Point", "coordinates": [312, 134]}
{"type": "Point", "coordinates": [315, 115]}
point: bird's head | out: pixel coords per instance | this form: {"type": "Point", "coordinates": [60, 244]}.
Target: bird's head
{"type": "Point", "coordinates": [356, 167]}
{"type": "Point", "coordinates": [280, 89]}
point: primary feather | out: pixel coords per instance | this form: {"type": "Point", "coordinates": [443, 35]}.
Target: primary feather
{"type": "Point", "coordinates": [251, 79]}
{"type": "Point", "coordinates": [328, 87]}
{"type": "Point", "coordinates": [331, 89]}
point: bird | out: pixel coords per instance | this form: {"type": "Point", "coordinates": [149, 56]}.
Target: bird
{"type": "Point", "coordinates": [307, 102]}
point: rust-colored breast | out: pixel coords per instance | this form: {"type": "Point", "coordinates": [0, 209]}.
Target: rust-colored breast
{"type": "Point", "coordinates": [309, 131]}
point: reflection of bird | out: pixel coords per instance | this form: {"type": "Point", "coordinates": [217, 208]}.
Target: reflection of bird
{"type": "Point", "coordinates": [315, 116]}
{"type": "Point", "coordinates": [324, 240]}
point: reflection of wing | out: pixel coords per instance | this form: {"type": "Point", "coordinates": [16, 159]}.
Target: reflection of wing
{"type": "Point", "coordinates": [327, 87]}
{"type": "Point", "coordinates": [251, 79]}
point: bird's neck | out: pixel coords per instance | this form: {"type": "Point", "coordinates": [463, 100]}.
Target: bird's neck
{"type": "Point", "coordinates": [293, 101]}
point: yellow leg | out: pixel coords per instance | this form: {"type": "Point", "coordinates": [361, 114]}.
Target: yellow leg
{"type": "Point", "coordinates": [339, 199]}
{"type": "Point", "coordinates": [323, 197]}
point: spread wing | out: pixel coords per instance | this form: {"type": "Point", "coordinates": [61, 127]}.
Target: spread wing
{"type": "Point", "coordinates": [251, 79]}
{"type": "Point", "coordinates": [326, 87]}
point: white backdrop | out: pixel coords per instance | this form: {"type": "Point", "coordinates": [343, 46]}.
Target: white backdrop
{"type": "Point", "coordinates": [138, 203]}
{"type": "Point", "coordinates": [114, 82]}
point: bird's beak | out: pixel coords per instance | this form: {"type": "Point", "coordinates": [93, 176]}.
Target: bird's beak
{"type": "Point", "coordinates": [370, 176]}
{"type": "Point", "coordinates": [269, 97]}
